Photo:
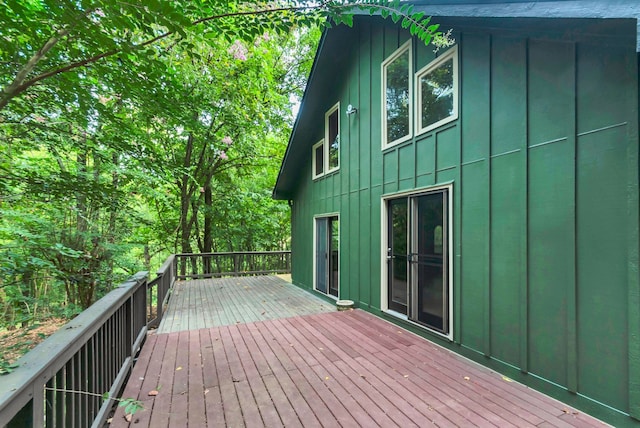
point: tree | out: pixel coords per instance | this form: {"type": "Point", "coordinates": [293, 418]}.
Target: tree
{"type": "Point", "coordinates": [123, 123]}
{"type": "Point", "coordinates": [93, 33]}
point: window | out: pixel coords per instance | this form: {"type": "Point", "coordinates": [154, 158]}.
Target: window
{"type": "Point", "coordinates": [437, 86]}
{"type": "Point", "coordinates": [332, 137]}
{"type": "Point", "coordinates": [318, 159]}
{"type": "Point", "coordinates": [396, 96]}
{"type": "Point", "coordinates": [326, 152]}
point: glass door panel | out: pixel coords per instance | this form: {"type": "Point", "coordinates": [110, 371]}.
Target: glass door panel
{"type": "Point", "coordinates": [429, 258]}
{"type": "Point", "coordinates": [334, 244]}
{"type": "Point", "coordinates": [397, 256]}
{"type": "Point", "coordinates": [322, 255]}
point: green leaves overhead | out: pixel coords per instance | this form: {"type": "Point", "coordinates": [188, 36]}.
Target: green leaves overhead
{"type": "Point", "coordinates": [56, 38]}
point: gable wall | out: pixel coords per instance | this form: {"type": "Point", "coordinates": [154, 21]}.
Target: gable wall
{"type": "Point", "coordinates": [544, 163]}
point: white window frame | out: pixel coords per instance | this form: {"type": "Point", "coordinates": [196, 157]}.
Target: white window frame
{"type": "Point", "coordinates": [313, 161]}
{"type": "Point", "coordinates": [407, 46]}
{"type": "Point", "coordinates": [335, 108]}
{"type": "Point", "coordinates": [450, 54]}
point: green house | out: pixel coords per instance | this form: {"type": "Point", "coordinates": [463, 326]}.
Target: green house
{"type": "Point", "coordinates": [484, 196]}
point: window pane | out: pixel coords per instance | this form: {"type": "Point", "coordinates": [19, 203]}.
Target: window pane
{"type": "Point", "coordinates": [334, 141]}
{"type": "Point", "coordinates": [397, 94]}
{"type": "Point", "coordinates": [437, 94]}
{"type": "Point", "coordinates": [319, 158]}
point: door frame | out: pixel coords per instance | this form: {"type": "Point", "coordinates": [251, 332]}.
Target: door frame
{"type": "Point", "coordinates": [384, 238]}
{"type": "Point", "coordinates": [315, 247]}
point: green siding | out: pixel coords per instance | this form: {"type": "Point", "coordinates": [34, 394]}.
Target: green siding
{"type": "Point", "coordinates": [601, 265]}
{"type": "Point", "coordinates": [508, 95]}
{"type": "Point", "coordinates": [550, 258]}
{"type": "Point", "coordinates": [508, 199]}
{"type": "Point", "coordinates": [475, 77]}
{"type": "Point", "coordinates": [425, 161]}
{"type": "Point", "coordinates": [507, 218]}
{"type": "Point", "coordinates": [602, 214]}
{"type": "Point", "coordinates": [544, 165]}
{"type": "Point", "coordinates": [475, 229]}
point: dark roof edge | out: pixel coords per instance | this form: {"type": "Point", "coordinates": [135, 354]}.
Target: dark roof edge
{"type": "Point", "coordinates": [548, 9]}
{"type": "Point", "coordinates": [275, 194]}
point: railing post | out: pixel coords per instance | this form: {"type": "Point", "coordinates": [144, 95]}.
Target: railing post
{"type": "Point", "coordinates": [236, 267]}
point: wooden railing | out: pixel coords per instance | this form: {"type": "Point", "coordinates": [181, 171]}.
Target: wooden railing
{"type": "Point", "coordinates": [217, 265]}
{"type": "Point", "coordinates": [62, 381]}
{"type": "Point", "coordinates": [158, 291]}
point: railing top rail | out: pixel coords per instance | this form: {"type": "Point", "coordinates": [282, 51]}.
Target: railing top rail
{"type": "Point", "coordinates": [167, 263]}
{"type": "Point", "coordinates": [42, 362]}
{"type": "Point", "coordinates": [232, 253]}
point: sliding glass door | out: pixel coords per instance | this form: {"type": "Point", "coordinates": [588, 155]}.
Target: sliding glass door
{"type": "Point", "coordinates": [417, 258]}
{"type": "Point", "coordinates": [327, 255]}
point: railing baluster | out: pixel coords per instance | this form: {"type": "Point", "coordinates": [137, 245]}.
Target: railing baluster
{"type": "Point", "coordinates": [49, 408]}
{"type": "Point", "coordinates": [59, 420]}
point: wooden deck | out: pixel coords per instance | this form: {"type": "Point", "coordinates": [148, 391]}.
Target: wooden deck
{"type": "Point", "coordinates": [204, 303]}
{"type": "Point", "coordinates": [325, 369]}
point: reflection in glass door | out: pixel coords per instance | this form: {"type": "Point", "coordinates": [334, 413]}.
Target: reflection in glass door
{"type": "Point", "coordinates": [429, 285]}
{"type": "Point", "coordinates": [322, 258]}
{"type": "Point", "coordinates": [327, 255]}
{"type": "Point", "coordinates": [398, 267]}
{"type": "Point", "coordinates": [418, 239]}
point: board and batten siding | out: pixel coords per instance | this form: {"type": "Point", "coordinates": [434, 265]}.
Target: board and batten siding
{"type": "Point", "coordinates": [544, 165]}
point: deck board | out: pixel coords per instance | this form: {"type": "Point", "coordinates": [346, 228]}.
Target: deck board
{"type": "Point", "coordinates": [205, 303]}
{"type": "Point", "coordinates": [304, 365]}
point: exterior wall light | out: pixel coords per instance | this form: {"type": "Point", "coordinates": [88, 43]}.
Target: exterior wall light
{"type": "Point", "coordinates": [351, 110]}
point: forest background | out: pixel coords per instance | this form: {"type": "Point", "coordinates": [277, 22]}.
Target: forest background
{"type": "Point", "coordinates": [133, 130]}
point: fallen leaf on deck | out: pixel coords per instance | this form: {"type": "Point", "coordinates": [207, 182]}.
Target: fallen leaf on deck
{"type": "Point", "coordinates": [153, 393]}
{"type": "Point", "coordinates": [507, 379]}
{"type": "Point", "coordinates": [206, 391]}
{"type": "Point", "coordinates": [263, 312]}
{"type": "Point", "coordinates": [326, 378]}
{"type": "Point", "coordinates": [467, 378]}
{"type": "Point", "coordinates": [179, 368]}
{"type": "Point", "coordinates": [406, 375]}
{"type": "Point", "coordinates": [128, 417]}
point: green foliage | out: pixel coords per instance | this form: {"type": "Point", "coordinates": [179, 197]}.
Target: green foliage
{"type": "Point", "coordinates": [131, 406]}
{"type": "Point", "coordinates": [130, 130]}
{"type": "Point", "coordinates": [6, 367]}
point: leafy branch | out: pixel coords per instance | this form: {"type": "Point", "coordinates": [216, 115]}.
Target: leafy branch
{"type": "Point", "coordinates": [299, 13]}
{"type": "Point", "coordinates": [131, 405]}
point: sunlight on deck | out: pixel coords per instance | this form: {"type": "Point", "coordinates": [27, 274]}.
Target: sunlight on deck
{"type": "Point", "coordinates": [205, 303]}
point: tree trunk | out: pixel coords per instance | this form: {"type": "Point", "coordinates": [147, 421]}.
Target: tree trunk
{"type": "Point", "coordinates": [113, 215]}
{"type": "Point", "coordinates": [185, 203]}
{"type": "Point", "coordinates": [208, 225]}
